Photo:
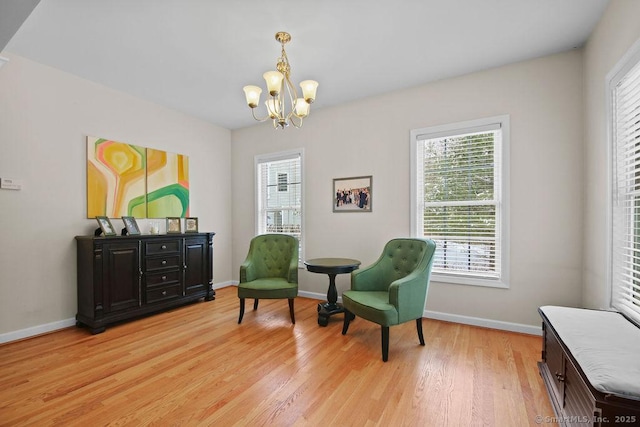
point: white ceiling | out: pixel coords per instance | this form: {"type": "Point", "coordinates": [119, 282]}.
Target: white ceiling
{"type": "Point", "coordinates": [196, 55]}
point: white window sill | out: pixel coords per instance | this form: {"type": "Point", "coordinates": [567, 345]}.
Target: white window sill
{"type": "Point", "coordinates": [471, 281]}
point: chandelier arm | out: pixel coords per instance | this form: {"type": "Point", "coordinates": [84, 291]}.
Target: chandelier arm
{"type": "Point", "coordinates": [293, 122]}
{"type": "Point", "coordinates": [253, 113]}
{"type": "Point", "coordinates": [293, 97]}
{"type": "Point", "coordinates": [281, 99]}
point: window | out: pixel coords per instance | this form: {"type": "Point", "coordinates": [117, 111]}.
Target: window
{"type": "Point", "coordinates": [279, 195]}
{"type": "Point", "coordinates": [624, 110]}
{"type": "Point", "coordinates": [458, 191]}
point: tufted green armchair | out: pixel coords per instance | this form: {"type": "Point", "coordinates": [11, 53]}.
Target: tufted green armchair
{"type": "Point", "coordinates": [270, 271]}
{"type": "Point", "coordinates": [392, 290]}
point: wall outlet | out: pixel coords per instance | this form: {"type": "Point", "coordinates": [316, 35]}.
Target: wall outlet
{"type": "Point", "coordinates": [10, 184]}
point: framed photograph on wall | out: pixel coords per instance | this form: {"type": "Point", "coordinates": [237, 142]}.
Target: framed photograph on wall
{"type": "Point", "coordinates": [106, 226]}
{"type": "Point", "coordinates": [174, 225]}
{"type": "Point", "coordinates": [353, 194]}
{"type": "Point", "coordinates": [191, 225]}
{"type": "Point", "coordinates": [130, 225]}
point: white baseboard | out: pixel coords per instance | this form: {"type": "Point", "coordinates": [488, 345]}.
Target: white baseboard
{"type": "Point", "coordinates": [485, 323]}
{"type": "Point", "coordinates": [55, 326]}
{"type": "Point", "coordinates": [225, 284]}
{"type": "Point", "coordinates": [315, 295]}
{"type": "Point", "coordinates": [455, 318]}
{"type": "Point", "coordinates": [36, 330]}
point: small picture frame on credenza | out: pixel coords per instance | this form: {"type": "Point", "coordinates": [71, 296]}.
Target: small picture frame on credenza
{"type": "Point", "coordinates": [173, 225]}
{"type": "Point", "coordinates": [106, 227]}
{"type": "Point", "coordinates": [191, 225]}
{"type": "Point", "coordinates": [130, 225]}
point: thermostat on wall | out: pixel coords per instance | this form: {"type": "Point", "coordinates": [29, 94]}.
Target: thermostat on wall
{"type": "Point", "coordinates": [10, 184]}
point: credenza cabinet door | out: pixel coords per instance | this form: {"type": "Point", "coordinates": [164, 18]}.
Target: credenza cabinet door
{"type": "Point", "coordinates": [122, 276]}
{"type": "Point", "coordinates": [195, 265]}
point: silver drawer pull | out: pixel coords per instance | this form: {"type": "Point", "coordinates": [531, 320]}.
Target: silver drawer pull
{"type": "Point", "coordinates": [164, 261]}
{"type": "Point", "coordinates": [163, 247]}
{"type": "Point", "coordinates": [164, 293]}
{"type": "Point", "coordinates": [164, 277]}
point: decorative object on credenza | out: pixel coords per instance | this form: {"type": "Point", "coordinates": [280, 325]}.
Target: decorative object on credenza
{"type": "Point", "coordinates": [131, 180]}
{"type": "Point", "coordinates": [191, 225]}
{"type": "Point", "coordinates": [153, 227]}
{"type": "Point", "coordinates": [105, 228]}
{"type": "Point", "coordinates": [283, 105]}
{"type": "Point", "coordinates": [174, 225]}
{"type": "Point", "coordinates": [130, 226]}
{"type": "Point", "coordinates": [352, 194]}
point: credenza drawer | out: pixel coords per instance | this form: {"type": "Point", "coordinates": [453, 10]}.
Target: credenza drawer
{"type": "Point", "coordinates": [157, 263]}
{"type": "Point", "coordinates": [162, 293]}
{"type": "Point", "coordinates": [164, 278]}
{"type": "Point", "coordinates": [163, 247]}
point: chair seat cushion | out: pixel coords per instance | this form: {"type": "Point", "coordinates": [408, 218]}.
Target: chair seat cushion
{"type": "Point", "coordinates": [268, 288]}
{"type": "Point", "coordinates": [371, 305]}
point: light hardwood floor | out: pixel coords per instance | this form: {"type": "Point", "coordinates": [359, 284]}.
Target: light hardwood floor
{"type": "Point", "coordinates": [196, 366]}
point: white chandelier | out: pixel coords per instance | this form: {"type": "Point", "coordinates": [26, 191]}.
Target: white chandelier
{"type": "Point", "coordinates": [282, 90]}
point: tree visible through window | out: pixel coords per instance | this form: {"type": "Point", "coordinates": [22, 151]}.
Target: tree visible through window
{"type": "Point", "coordinates": [459, 198]}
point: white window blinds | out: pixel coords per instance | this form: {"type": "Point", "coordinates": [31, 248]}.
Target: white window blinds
{"type": "Point", "coordinates": [279, 194]}
{"type": "Point", "coordinates": [459, 200]}
{"type": "Point", "coordinates": [626, 192]}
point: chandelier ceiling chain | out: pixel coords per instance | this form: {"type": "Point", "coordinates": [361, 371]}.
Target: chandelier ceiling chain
{"type": "Point", "coordinates": [281, 90]}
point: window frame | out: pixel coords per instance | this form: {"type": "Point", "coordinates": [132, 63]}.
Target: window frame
{"type": "Point", "coordinates": [273, 157]}
{"type": "Point", "coordinates": [629, 61]}
{"type": "Point", "coordinates": [502, 206]}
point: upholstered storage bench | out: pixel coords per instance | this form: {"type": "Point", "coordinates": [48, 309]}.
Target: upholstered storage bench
{"type": "Point", "coordinates": [591, 366]}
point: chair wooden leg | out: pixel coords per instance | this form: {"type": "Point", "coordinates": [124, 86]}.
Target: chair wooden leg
{"type": "Point", "coordinates": [385, 343]}
{"type": "Point", "coordinates": [419, 326]}
{"type": "Point", "coordinates": [293, 317]}
{"type": "Point", "coordinates": [255, 303]}
{"type": "Point", "coordinates": [241, 310]}
{"type": "Point", "coordinates": [348, 317]}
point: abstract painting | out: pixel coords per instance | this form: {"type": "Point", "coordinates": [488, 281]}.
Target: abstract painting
{"type": "Point", "coordinates": [115, 179]}
{"type": "Point", "coordinates": [167, 184]}
{"type": "Point", "coordinates": [130, 180]}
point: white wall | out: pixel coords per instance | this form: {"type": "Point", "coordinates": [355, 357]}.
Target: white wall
{"type": "Point", "coordinates": [616, 32]}
{"type": "Point", "coordinates": [558, 185]}
{"type": "Point", "coordinates": [45, 116]}
{"type": "Point", "coordinates": [371, 137]}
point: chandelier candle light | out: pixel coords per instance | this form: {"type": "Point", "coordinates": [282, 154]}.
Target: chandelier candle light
{"type": "Point", "coordinates": [280, 89]}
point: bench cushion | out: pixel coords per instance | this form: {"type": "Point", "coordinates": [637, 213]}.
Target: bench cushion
{"type": "Point", "coordinates": [604, 343]}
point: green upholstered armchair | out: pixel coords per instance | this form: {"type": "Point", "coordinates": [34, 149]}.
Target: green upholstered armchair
{"type": "Point", "coordinates": [270, 271]}
{"type": "Point", "coordinates": [392, 290]}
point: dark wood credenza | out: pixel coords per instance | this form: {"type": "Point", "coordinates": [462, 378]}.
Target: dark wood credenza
{"type": "Point", "coordinates": [583, 368]}
{"type": "Point", "coordinates": [124, 277]}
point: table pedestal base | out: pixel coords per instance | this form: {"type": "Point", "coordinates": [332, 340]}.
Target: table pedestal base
{"type": "Point", "coordinates": [327, 309]}
{"type": "Point", "coordinates": [331, 267]}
